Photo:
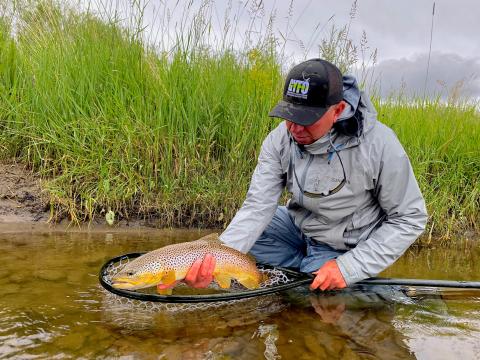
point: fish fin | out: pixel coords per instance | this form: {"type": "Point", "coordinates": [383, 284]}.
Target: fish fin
{"type": "Point", "coordinates": [210, 237]}
{"type": "Point", "coordinates": [169, 277]}
{"type": "Point", "coordinates": [249, 282]}
{"type": "Point", "coordinates": [251, 257]}
{"type": "Point", "coordinates": [223, 280]}
{"type": "Point", "coordinates": [165, 291]}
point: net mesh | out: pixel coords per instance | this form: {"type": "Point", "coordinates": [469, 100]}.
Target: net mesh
{"type": "Point", "coordinates": [131, 316]}
{"type": "Point", "coordinates": [273, 277]}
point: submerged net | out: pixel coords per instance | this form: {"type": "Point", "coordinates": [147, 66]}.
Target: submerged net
{"type": "Point", "coordinates": [131, 316]}
{"type": "Point", "coordinates": [185, 298]}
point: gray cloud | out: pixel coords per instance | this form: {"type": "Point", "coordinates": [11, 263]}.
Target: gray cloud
{"type": "Point", "coordinates": [446, 72]}
{"type": "Point", "coordinates": [398, 28]}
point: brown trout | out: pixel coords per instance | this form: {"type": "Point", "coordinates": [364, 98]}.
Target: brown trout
{"type": "Point", "coordinates": [171, 263]}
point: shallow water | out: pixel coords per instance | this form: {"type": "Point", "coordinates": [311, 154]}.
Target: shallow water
{"type": "Point", "coordinates": [52, 306]}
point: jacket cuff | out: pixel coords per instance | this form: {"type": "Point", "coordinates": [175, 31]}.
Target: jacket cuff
{"type": "Point", "coordinates": [350, 274]}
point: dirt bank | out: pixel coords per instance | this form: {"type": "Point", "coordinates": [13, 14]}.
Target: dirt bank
{"type": "Point", "coordinates": [24, 207]}
{"type": "Point", "coordinates": [23, 202]}
{"type": "Point", "coordinates": [21, 198]}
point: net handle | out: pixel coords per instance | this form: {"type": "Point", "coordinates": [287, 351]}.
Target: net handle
{"type": "Point", "coordinates": [455, 284]}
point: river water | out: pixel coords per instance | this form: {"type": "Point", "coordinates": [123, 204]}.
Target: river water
{"type": "Point", "coordinates": [52, 307]}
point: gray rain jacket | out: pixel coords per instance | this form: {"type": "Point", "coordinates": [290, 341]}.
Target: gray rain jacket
{"type": "Point", "coordinates": [376, 215]}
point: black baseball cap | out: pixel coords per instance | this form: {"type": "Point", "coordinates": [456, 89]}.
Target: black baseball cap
{"type": "Point", "coordinates": [311, 87]}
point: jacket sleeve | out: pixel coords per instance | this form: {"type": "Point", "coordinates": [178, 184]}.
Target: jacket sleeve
{"type": "Point", "coordinates": [399, 196]}
{"type": "Point", "coordinates": [261, 202]}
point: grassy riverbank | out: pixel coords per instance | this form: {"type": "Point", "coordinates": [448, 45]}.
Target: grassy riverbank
{"type": "Point", "coordinates": [111, 124]}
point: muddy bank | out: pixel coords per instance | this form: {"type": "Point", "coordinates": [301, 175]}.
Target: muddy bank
{"type": "Point", "coordinates": [22, 201]}
{"type": "Point", "coordinates": [21, 198]}
{"type": "Point", "coordinates": [25, 207]}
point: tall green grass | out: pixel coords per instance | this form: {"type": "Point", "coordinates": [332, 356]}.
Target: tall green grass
{"type": "Point", "coordinates": [111, 124]}
{"type": "Point", "coordinates": [174, 135]}
{"type": "Point", "coordinates": [442, 141]}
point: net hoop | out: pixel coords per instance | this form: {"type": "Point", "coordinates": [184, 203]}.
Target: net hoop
{"type": "Point", "coordinates": [295, 279]}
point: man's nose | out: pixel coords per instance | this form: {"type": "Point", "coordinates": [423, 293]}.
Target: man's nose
{"type": "Point", "coordinates": [296, 127]}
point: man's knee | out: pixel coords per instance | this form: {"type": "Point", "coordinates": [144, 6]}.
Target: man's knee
{"type": "Point", "coordinates": [281, 244]}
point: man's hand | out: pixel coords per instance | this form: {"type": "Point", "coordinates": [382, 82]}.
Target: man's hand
{"type": "Point", "coordinates": [200, 274]}
{"type": "Point", "coordinates": [328, 277]}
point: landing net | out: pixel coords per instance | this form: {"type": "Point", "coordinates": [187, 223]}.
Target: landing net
{"type": "Point", "coordinates": [276, 279]}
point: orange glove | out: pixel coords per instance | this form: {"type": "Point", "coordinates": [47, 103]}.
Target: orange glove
{"type": "Point", "coordinates": [328, 277]}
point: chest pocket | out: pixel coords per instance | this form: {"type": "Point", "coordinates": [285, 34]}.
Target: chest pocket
{"type": "Point", "coordinates": [324, 177]}
{"type": "Point", "coordinates": [340, 190]}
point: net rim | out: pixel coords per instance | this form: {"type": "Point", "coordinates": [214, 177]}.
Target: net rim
{"type": "Point", "coordinates": [299, 279]}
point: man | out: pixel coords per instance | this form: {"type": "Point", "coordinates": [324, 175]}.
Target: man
{"type": "Point", "coordinates": [355, 205]}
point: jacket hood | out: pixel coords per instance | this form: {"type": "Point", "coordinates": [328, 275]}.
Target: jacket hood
{"type": "Point", "coordinates": [356, 100]}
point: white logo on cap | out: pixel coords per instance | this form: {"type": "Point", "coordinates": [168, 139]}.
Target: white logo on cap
{"type": "Point", "coordinates": [298, 88]}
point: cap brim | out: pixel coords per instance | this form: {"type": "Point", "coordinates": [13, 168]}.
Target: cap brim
{"type": "Point", "coordinates": [298, 114]}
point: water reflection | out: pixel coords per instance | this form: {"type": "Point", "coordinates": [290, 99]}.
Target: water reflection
{"type": "Point", "coordinates": [51, 305]}
{"type": "Point", "coordinates": [351, 324]}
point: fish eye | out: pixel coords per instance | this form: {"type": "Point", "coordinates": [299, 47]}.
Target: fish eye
{"type": "Point", "coordinates": [130, 273]}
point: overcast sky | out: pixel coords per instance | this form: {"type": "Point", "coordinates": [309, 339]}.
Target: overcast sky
{"type": "Point", "coordinates": [399, 30]}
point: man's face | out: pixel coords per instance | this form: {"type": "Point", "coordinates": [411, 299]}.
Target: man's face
{"type": "Point", "coordinates": [309, 134]}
